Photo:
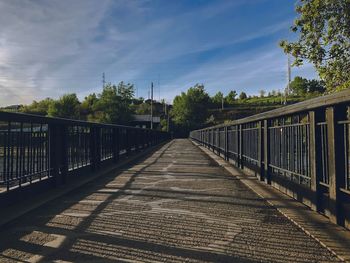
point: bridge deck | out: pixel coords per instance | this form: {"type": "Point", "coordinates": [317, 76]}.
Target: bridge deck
{"type": "Point", "coordinates": [175, 205]}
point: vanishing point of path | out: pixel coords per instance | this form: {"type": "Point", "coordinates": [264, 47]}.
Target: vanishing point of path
{"type": "Point", "coordinates": [176, 205]}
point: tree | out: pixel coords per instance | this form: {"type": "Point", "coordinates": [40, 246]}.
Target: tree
{"type": "Point", "coordinates": [324, 40]}
{"type": "Point", "coordinates": [242, 96]}
{"type": "Point", "coordinates": [217, 99]}
{"type": "Point", "coordinates": [143, 109]}
{"type": "Point", "coordinates": [190, 109]}
{"type": "Point", "coordinates": [138, 101]}
{"type": "Point", "coordinates": [272, 93]}
{"type": "Point", "coordinates": [316, 86]}
{"type": "Point", "coordinates": [299, 86]}
{"type": "Point", "coordinates": [262, 93]}
{"type": "Point", "coordinates": [113, 105]}
{"type": "Point", "coordinates": [126, 91]}
{"type": "Point", "coordinates": [231, 97]}
{"type": "Point", "coordinates": [38, 107]}
{"type": "Point", "coordinates": [87, 106]}
{"type": "Point", "coordinates": [66, 106]}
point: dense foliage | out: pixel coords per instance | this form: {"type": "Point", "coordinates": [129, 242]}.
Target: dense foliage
{"type": "Point", "coordinates": [66, 106]}
{"type": "Point", "coordinates": [113, 104]}
{"type": "Point", "coordinates": [324, 40]}
{"type": "Point", "coordinates": [190, 109]}
{"type": "Point", "coordinates": [301, 86]}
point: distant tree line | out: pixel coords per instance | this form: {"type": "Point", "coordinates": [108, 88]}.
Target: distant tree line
{"type": "Point", "coordinates": [191, 109]}
{"type": "Point", "coordinates": [115, 104]}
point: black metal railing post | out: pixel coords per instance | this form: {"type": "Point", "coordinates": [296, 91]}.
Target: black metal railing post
{"type": "Point", "coordinates": [95, 142]}
{"type": "Point", "coordinates": [336, 168]}
{"type": "Point", "coordinates": [137, 140]}
{"type": "Point", "coordinates": [226, 142]}
{"type": "Point", "coordinates": [128, 142]}
{"type": "Point", "coordinates": [55, 150]}
{"type": "Point", "coordinates": [267, 175]}
{"type": "Point", "coordinates": [58, 159]}
{"type": "Point", "coordinates": [64, 153]}
{"type": "Point", "coordinates": [261, 150]}
{"type": "Point", "coordinates": [315, 159]}
{"type": "Point", "coordinates": [115, 145]}
{"type": "Point", "coordinates": [240, 147]}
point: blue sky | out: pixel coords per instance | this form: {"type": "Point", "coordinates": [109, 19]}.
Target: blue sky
{"type": "Point", "coordinates": [48, 48]}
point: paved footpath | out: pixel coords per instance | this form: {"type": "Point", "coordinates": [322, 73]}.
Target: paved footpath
{"type": "Point", "coordinates": [176, 205]}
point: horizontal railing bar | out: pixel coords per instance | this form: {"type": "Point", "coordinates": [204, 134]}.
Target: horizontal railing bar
{"type": "Point", "coordinates": [36, 119]}
{"type": "Point", "coordinates": [289, 125]}
{"type": "Point", "coordinates": [250, 129]}
{"type": "Point", "coordinates": [288, 171]}
{"type": "Point", "coordinates": [345, 191]}
{"type": "Point", "coordinates": [324, 184]}
{"type": "Point", "coordinates": [247, 157]}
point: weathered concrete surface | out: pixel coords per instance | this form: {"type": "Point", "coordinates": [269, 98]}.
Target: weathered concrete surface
{"type": "Point", "coordinates": [334, 237]}
{"type": "Point", "coordinates": [177, 205]}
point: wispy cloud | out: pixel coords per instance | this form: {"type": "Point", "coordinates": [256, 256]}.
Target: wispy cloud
{"type": "Point", "coordinates": [48, 48]}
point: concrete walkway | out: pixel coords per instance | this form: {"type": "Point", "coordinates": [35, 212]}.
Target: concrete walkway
{"type": "Point", "coordinates": [176, 205]}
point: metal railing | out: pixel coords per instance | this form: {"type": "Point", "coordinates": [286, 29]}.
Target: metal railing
{"type": "Point", "coordinates": [34, 148]}
{"type": "Point", "coordinates": [302, 149]}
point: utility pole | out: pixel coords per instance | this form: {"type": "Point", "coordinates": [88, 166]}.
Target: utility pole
{"type": "Point", "coordinates": [103, 80]}
{"type": "Point", "coordinates": [151, 105]}
{"type": "Point", "coordinates": [222, 103]}
{"type": "Point", "coordinates": [286, 92]}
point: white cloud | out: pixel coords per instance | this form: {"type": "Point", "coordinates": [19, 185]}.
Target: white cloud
{"type": "Point", "coordinates": [48, 48]}
{"type": "Point", "coordinates": [41, 42]}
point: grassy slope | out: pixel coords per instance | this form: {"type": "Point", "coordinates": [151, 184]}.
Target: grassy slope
{"type": "Point", "coordinates": [251, 106]}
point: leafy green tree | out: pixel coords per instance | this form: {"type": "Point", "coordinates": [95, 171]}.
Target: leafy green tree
{"type": "Point", "coordinates": [126, 91]}
{"type": "Point", "coordinates": [38, 107]}
{"type": "Point", "coordinates": [138, 101]}
{"type": "Point", "coordinates": [262, 93]}
{"type": "Point", "coordinates": [217, 99]}
{"type": "Point", "coordinates": [66, 106]}
{"type": "Point", "coordinates": [190, 109]}
{"type": "Point", "coordinates": [113, 104]}
{"type": "Point", "coordinates": [143, 109]}
{"type": "Point", "coordinates": [299, 86]}
{"type": "Point", "coordinates": [316, 86]}
{"type": "Point", "coordinates": [87, 106]}
{"type": "Point", "coordinates": [231, 97]}
{"type": "Point", "coordinates": [243, 96]}
{"type": "Point", "coordinates": [324, 40]}
{"type": "Point", "coordinates": [164, 124]}
{"type": "Point", "coordinates": [272, 93]}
